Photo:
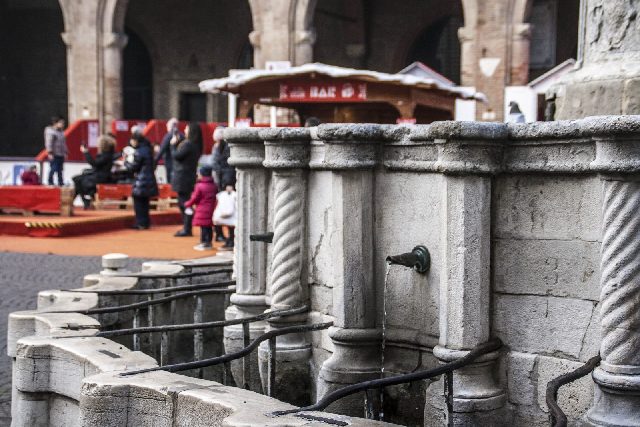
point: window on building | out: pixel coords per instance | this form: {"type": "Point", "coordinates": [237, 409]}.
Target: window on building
{"type": "Point", "coordinates": [193, 107]}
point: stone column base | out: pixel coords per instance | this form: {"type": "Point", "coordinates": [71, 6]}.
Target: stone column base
{"type": "Point", "coordinates": [356, 358]}
{"type": "Point", "coordinates": [477, 398]}
{"type": "Point", "coordinates": [616, 399]}
{"type": "Point", "coordinates": [244, 306]}
{"type": "Point", "coordinates": [293, 371]}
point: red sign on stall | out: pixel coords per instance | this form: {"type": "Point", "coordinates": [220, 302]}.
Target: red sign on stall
{"type": "Point", "coordinates": [323, 92]}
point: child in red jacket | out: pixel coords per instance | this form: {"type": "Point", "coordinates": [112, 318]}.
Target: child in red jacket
{"type": "Point", "coordinates": [204, 197]}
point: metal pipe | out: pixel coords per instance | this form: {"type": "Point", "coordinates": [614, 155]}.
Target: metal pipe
{"type": "Point", "coordinates": [448, 396]}
{"type": "Point", "coordinates": [481, 349]}
{"type": "Point", "coordinates": [164, 348]}
{"type": "Point", "coordinates": [136, 324]}
{"type": "Point", "coordinates": [173, 276]}
{"type": "Point", "coordinates": [556, 416]}
{"type": "Point", "coordinates": [263, 237]}
{"type": "Point", "coordinates": [156, 290]}
{"type": "Point", "coordinates": [419, 259]}
{"type": "Point", "coordinates": [150, 320]}
{"type": "Point", "coordinates": [148, 303]}
{"type": "Point", "coordinates": [246, 360]}
{"type": "Point", "coordinates": [271, 367]}
{"type": "Point", "coordinates": [205, 325]}
{"type": "Point", "coordinates": [198, 350]}
{"type": "Point", "coordinates": [235, 355]}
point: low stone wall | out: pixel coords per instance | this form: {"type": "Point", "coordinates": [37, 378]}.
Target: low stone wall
{"type": "Point", "coordinates": [64, 375]}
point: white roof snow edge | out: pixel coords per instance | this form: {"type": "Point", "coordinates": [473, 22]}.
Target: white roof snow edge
{"type": "Point", "coordinates": [226, 83]}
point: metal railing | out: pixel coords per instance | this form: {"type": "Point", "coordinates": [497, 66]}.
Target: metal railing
{"type": "Point", "coordinates": [446, 369]}
{"type": "Point", "coordinates": [143, 275]}
{"type": "Point", "coordinates": [244, 353]}
{"type": "Point", "coordinates": [179, 292]}
{"type": "Point", "coordinates": [198, 337]}
{"type": "Point", "coordinates": [557, 417]}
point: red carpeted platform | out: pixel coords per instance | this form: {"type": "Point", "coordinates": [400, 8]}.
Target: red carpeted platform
{"type": "Point", "coordinates": [83, 222]}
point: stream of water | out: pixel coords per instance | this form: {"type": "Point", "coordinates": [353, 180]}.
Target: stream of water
{"type": "Point", "coordinates": [384, 330]}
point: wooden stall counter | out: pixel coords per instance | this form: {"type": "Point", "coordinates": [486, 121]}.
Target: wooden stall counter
{"type": "Point", "coordinates": [37, 198]}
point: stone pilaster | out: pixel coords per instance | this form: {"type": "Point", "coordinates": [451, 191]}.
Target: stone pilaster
{"type": "Point", "coordinates": [617, 392]}
{"type": "Point", "coordinates": [287, 155]}
{"type": "Point", "coordinates": [113, 45]}
{"type": "Point", "coordinates": [467, 154]}
{"type": "Point", "coordinates": [247, 155]}
{"type": "Point", "coordinates": [350, 152]}
{"type": "Point", "coordinates": [95, 40]}
{"type": "Point", "coordinates": [282, 31]}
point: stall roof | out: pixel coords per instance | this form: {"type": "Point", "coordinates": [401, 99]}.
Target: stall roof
{"type": "Point", "coordinates": [233, 83]}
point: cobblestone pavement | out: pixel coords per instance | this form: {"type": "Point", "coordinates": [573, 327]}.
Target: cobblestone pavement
{"type": "Point", "coordinates": [22, 276]}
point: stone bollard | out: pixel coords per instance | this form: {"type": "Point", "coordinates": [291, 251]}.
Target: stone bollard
{"type": "Point", "coordinates": [114, 263]}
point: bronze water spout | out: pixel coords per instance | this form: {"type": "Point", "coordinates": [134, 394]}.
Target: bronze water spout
{"type": "Point", "coordinates": [418, 259]}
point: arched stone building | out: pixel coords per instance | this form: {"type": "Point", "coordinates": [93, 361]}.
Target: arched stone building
{"type": "Point", "coordinates": [139, 59]}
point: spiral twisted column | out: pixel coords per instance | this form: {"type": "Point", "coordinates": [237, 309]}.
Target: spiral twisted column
{"type": "Point", "coordinates": [620, 295]}
{"type": "Point", "coordinates": [286, 265]}
{"type": "Point", "coordinates": [287, 156]}
{"type": "Point", "coordinates": [617, 391]}
{"type": "Point", "coordinates": [247, 155]}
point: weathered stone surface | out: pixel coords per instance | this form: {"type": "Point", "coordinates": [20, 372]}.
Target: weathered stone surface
{"type": "Point", "coordinates": [547, 207]}
{"type": "Point", "coordinates": [563, 268]}
{"type": "Point", "coordinates": [417, 210]}
{"type": "Point", "coordinates": [351, 133]}
{"type": "Point", "coordinates": [460, 130]}
{"type": "Point", "coordinates": [521, 378]}
{"type": "Point", "coordinates": [320, 253]}
{"type": "Point", "coordinates": [548, 325]}
{"type": "Point", "coordinates": [631, 97]}
{"type": "Point", "coordinates": [573, 398]}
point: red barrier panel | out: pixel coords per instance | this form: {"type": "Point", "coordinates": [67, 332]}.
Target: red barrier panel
{"type": "Point", "coordinates": [122, 131]}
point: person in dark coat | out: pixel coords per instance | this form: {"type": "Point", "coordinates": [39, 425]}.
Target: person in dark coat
{"type": "Point", "coordinates": [204, 197]}
{"type": "Point", "coordinates": [100, 172]}
{"type": "Point", "coordinates": [226, 174]}
{"type": "Point", "coordinates": [144, 186]}
{"type": "Point", "coordinates": [164, 150]}
{"type": "Point", "coordinates": [186, 153]}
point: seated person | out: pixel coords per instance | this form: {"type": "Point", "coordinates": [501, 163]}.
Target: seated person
{"type": "Point", "coordinates": [100, 172]}
{"type": "Point", "coordinates": [30, 176]}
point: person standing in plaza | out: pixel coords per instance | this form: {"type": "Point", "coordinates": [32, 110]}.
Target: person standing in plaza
{"type": "Point", "coordinates": [164, 150]}
{"type": "Point", "coordinates": [204, 198]}
{"type": "Point", "coordinates": [186, 153]}
{"type": "Point", "coordinates": [56, 146]}
{"type": "Point", "coordinates": [222, 172]}
{"type": "Point", "coordinates": [225, 214]}
{"type": "Point", "coordinates": [144, 186]}
{"type": "Point", "coordinates": [225, 174]}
